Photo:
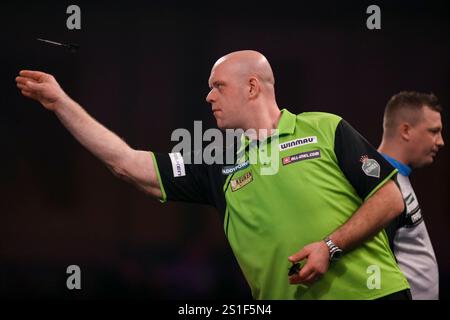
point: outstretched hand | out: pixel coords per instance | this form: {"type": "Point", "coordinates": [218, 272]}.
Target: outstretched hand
{"type": "Point", "coordinates": [316, 266]}
{"type": "Point", "coordinates": [41, 87]}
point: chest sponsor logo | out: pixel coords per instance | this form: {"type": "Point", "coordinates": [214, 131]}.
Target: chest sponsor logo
{"type": "Point", "coordinates": [301, 156]}
{"type": "Point", "coordinates": [370, 167]}
{"type": "Point", "coordinates": [232, 169]}
{"type": "Point", "coordinates": [414, 216]}
{"type": "Point", "coordinates": [177, 164]}
{"type": "Point", "coordinates": [241, 182]}
{"type": "Point", "coordinates": [297, 143]}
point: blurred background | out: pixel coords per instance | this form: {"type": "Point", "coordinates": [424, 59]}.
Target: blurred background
{"type": "Point", "coordinates": [142, 71]}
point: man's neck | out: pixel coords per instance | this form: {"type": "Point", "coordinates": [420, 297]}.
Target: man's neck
{"type": "Point", "coordinates": [393, 151]}
{"type": "Point", "coordinates": [264, 123]}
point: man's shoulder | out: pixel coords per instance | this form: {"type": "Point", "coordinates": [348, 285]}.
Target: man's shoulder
{"type": "Point", "coordinates": [319, 120]}
{"type": "Point", "coordinates": [319, 116]}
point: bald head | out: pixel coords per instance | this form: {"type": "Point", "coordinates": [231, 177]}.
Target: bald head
{"type": "Point", "coordinates": [247, 63]}
{"type": "Point", "coordinates": [242, 91]}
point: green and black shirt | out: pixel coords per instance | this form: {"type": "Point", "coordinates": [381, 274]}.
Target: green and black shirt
{"type": "Point", "coordinates": [326, 169]}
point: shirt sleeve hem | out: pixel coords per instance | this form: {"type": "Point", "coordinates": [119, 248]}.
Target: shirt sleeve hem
{"type": "Point", "coordinates": [394, 172]}
{"type": "Point", "coordinates": [161, 186]}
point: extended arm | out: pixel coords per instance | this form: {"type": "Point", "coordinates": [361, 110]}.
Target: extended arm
{"type": "Point", "coordinates": [132, 165]}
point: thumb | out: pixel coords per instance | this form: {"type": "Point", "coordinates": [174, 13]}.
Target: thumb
{"type": "Point", "coordinates": [302, 254]}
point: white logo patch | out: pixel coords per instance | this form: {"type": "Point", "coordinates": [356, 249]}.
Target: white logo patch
{"type": "Point", "coordinates": [370, 167]}
{"type": "Point", "coordinates": [177, 164]}
{"type": "Point", "coordinates": [297, 143]}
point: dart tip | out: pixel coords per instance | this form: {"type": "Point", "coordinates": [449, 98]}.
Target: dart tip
{"type": "Point", "coordinates": [72, 46]}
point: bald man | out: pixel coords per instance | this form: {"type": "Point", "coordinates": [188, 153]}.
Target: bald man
{"type": "Point", "coordinates": [412, 137]}
{"type": "Point", "coordinates": [312, 229]}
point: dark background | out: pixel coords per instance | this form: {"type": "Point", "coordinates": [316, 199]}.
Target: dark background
{"type": "Point", "coordinates": [142, 71]}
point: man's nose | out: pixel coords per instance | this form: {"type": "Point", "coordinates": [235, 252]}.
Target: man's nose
{"type": "Point", "coordinates": [209, 97]}
{"type": "Point", "coordinates": [440, 141]}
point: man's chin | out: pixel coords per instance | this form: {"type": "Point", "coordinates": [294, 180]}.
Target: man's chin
{"type": "Point", "coordinates": [424, 163]}
{"type": "Point", "coordinates": [222, 125]}
{"type": "Point", "coordinates": [430, 159]}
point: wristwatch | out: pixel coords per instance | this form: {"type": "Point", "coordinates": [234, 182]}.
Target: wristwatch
{"type": "Point", "coordinates": [334, 251]}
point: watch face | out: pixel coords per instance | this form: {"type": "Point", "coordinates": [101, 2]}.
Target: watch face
{"type": "Point", "coordinates": [336, 255]}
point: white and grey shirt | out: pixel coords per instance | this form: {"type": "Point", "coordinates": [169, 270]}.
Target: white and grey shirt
{"type": "Point", "coordinates": [411, 243]}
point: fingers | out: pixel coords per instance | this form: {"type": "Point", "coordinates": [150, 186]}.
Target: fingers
{"type": "Point", "coordinates": [28, 94]}
{"type": "Point", "coordinates": [305, 277]}
{"type": "Point", "coordinates": [21, 80]}
{"type": "Point", "coordinates": [21, 86]}
{"type": "Point", "coordinates": [303, 274]}
{"type": "Point", "coordinates": [33, 80]}
{"type": "Point", "coordinates": [35, 75]}
{"type": "Point", "coordinates": [306, 272]}
{"type": "Point", "coordinates": [302, 254]}
{"type": "Point", "coordinates": [316, 264]}
{"type": "Point", "coordinates": [33, 85]}
{"type": "Point", "coordinates": [28, 85]}
{"type": "Point", "coordinates": [24, 80]}
{"type": "Point", "coordinates": [299, 277]}
{"type": "Point", "coordinates": [41, 87]}
{"type": "Point", "coordinates": [296, 279]}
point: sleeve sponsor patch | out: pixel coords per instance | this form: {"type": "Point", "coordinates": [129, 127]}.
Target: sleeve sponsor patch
{"type": "Point", "coordinates": [370, 167]}
{"type": "Point", "coordinates": [177, 164]}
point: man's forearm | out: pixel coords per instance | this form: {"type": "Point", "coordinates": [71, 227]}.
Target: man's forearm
{"type": "Point", "coordinates": [134, 166]}
{"type": "Point", "coordinates": [103, 143]}
{"type": "Point", "coordinates": [374, 215]}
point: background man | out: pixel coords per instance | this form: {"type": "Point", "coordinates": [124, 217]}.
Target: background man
{"type": "Point", "coordinates": [411, 139]}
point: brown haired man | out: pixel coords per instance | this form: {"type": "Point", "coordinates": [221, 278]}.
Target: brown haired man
{"type": "Point", "coordinates": [411, 139]}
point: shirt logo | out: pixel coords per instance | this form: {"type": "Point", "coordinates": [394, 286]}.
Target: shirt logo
{"type": "Point", "coordinates": [297, 143]}
{"type": "Point", "coordinates": [370, 166]}
{"type": "Point", "coordinates": [241, 182]}
{"type": "Point", "coordinates": [301, 156]}
{"type": "Point", "coordinates": [414, 217]}
{"type": "Point", "coordinates": [232, 169]}
{"type": "Point", "coordinates": [177, 164]}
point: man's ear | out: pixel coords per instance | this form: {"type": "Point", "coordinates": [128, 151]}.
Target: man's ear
{"type": "Point", "coordinates": [405, 131]}
{"type": "Point", "coordinates": [254, 87]}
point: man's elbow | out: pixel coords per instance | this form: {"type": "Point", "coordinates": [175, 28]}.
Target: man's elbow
{"type": "Point", "coordinates": [119, 172]}
{"type": "Point", "coordinates": [129, 171]}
